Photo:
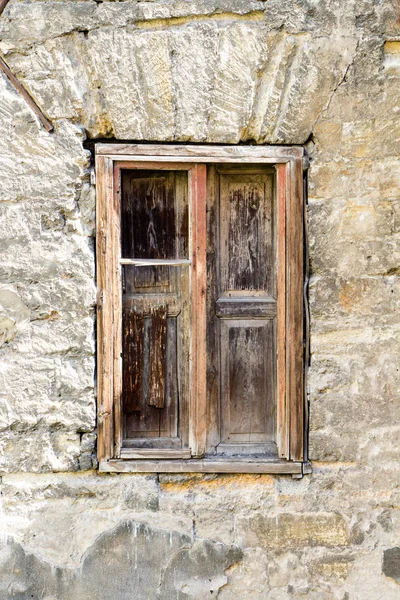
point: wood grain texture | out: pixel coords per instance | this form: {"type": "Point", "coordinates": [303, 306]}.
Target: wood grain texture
{"type": "Point", "coordinates": [306, 309]}
{"type": "Point", "coordinates": [115, 283]}
{"type": "Point", "coordinates": [105, 311]}
{"type": "Point", "coordinates": [200, 153]}
{"type": "Point", "coordinates": [158, 453]}
{"type": "Point", "coordinates": [198, 409]}
{"type": "Point", "coordinates": [282, 192]}
{"type": "Point", "coordinates": [201, 466]}
{"type": "Point", "coordinates": [158, 351]}
{"type": "Point", "coordinates": [246, 308]}
{"type": "Point", "coordinates": [246, 232]}
{"type": "Point", "coordinates": [155, 229]}
{"type": "Point", "coordinates": [247, 381]}
{"type": "Point", "coordinates": [213, 351]}
{"type": "Point", "coordinates": [294, 312]}
{"type": "Point", "coordinates": [132, 356]}
{"type": "Point", "coordinates": [148, 214]}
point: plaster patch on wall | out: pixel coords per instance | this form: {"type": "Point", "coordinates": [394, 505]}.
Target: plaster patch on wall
{"type": "Point", "coordinates": [133, 560]}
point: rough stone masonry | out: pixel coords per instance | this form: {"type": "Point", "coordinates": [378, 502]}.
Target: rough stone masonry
{"type": "Point", "coordinates": [325, 74]}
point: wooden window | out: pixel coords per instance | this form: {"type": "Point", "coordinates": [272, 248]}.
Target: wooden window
{"type": "Point", "coordinates": [201, 335]}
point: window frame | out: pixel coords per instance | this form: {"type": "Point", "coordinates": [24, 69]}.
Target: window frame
{"type": "Point", "coordinates": [291, 406]}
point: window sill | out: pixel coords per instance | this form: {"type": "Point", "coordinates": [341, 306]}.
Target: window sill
{"type": "Point", "coordinates": [297, 469]}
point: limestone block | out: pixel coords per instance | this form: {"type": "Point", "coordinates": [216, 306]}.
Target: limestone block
{"type": "Point", "coordinates": [14, 315]}
{"type": "Point", "coordinates": [222, 80]}
{"type": "Point", "coordinates": [194, 53]}
{"type": "Point", "coordinates": [83, 505]}
{"type": "Point", "coordinates": [38, 449]}
{"type": "Point", "coordinates": [287, 530]}
{"type": "Point", "coordinates": [35, 22]}
{"type": "Point", "coordinates": [248, 578]}
{"type": "Point", "coordinates": [365, 231]}
{"type": "Point", "coordinates": [31, 157]}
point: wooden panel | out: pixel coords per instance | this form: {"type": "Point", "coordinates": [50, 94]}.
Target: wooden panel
{"type": "Point", "coordinates": [154, 219]}
{"type": "Point", "coordinates": [246, 308]}
{"type": "Point", "coordinates": [165, 364]}
{"type": "Point", "coordinates": [246, 225]}
{"type": "Point", "coordinates": [247, 381]}
{"type": "Point", "coordinates": [155, 226]}
{"type": "Point", "coordinates": [157, 413]}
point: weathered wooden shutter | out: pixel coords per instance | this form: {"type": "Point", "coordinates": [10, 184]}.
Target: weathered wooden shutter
{"type": "Point", "coordinates": [242, 306]}
{"type": "Point", "coordinates": [155, 308]}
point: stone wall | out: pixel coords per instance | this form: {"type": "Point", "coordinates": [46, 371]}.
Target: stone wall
{"type": "Point", "coordinates": [323, 74]}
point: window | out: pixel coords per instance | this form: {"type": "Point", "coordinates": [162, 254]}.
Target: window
{"type": "Point", "coordinates": [200, 274]}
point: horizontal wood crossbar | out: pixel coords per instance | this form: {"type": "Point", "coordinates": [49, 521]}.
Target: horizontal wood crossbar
{"type": "Point", "coordinates": [149, 262]}
{"type": "Point", "coordinates": [205, 153]}
{"type": "Point", "coordinates": [200, 466]}
{"type": "Point", "coordinates": [251, 308]}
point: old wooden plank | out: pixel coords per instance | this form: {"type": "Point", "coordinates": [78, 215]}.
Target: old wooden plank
{"type": "Point", "coordinates": [144, 262]}
{"type": "Point", "coordinates": [246, 308]}
{"type": "Point", "coordinates": [124, 159]}
{"type": "Point", "coordinates": [306, 309]}
{"type": "Point", "coordinates": [147, 162]}
{"type": "Point", "coordinates": [294, 314]}
{"type": "Point", "coordinates": [158, 349]}
{"type": "Point", "coordinates": [25, 94]}
{"type": "Point", "coordinates": [105, 362]}
{"type": "Point", "coordinates": [132, 355]}
{"type": "Point", "coordinates": [238, 450]}
{"type": "Point", "coordinates": [213, 370]}
{"type": "Point", "coordinates": [200, 466]}
{"type": "Point", "coordinates": [201, 152]}
{"type": "Point", "coordinates": [158, 453]}
{"type": "Point", "coordinates": [115, 282]}
{"type": "Point", "coordinates": [282, 414]}
{"type": "Point", "coordinates": [198, 411]}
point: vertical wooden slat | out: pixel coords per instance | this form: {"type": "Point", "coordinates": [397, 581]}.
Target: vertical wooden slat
{"type": "Point", "coordinates": [282, 429]}
{"type": "Point", "coordinates": [213, 324]}
{"type": "Point", "coordinates": [306, 313]}
{"type": "Point", "coordinates": [115, 218]}
{"type": "Point", "coordinates": [294, 314]}
{"type": "Point", "coordinates": [158, 349]}
{"type": "Point", "coordinates": [132, 353]}
{"type": "Point", "coordinates": [198, 192]}
{"type": "Point", "coordinates": [105, 275]}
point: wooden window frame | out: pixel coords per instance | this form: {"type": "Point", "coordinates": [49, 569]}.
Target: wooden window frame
{"type": "Point", "coordinates": [291, 406]}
